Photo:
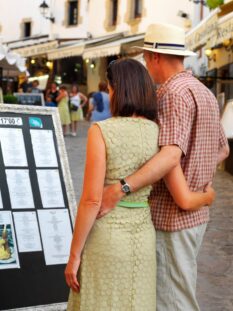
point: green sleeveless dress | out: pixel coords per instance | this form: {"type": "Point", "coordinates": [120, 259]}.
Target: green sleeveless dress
{"type": "Point", "coordinates": [63, 109]}
{"type": "Point", "coordinates": [118, 266]}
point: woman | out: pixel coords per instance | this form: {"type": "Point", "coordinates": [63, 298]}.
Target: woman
{"type": "Point", "coordinates": [77, 101]}
{"type": "Point", "coordinates": [51, 95]}
{"type": "Point", "coordinates": [63, 108]}
{"type": "Point", "coordinates": [99, 104]}
{"type": "Point", "coordinates": [117, 252]}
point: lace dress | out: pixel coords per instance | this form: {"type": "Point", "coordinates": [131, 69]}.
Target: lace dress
{"type": "Point", "coordinates": [118, 266]}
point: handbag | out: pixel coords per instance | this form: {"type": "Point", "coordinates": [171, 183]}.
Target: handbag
{"type": "Point", "coordinates": [73, 107]}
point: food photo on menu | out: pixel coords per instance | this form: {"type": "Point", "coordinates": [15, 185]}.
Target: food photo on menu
{"type": "Point", "coordinates": [7, 247]}
{"type": "Point", "coordinates": [8, 250]}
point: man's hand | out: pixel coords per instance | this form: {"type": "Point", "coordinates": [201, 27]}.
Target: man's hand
{"type": "Point", "coordinates": [211, 193]}
{"type": "Point", "coordinates": [111, 195]}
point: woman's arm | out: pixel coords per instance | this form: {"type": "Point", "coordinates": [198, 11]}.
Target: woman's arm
{"type": "Point", "coordinates": [90, 201]}
{"type": "Point", "coordinates": [83, 98]}
{"type": "Point", "coordinates": [184, 198]}
{"type": "Point", "coordinates": [60, 96]}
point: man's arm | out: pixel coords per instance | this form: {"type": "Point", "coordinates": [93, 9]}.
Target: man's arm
{"type": "Point", "coordinates": [174, 116]}
{"type": "Point", "coordinates": [155, 169]}
{"type": "Point", "coordinates": [223, 153]}
{"type": "Point", "coordinates": [223, 147]}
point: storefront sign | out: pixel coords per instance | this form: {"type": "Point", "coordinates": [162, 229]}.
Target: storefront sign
{"type": "Point", "coordinates": [198, 38]}
{"type": "Point", "coordinates": [211, 33]}
{"type": "Point", "coordinates": [224, 31]}
{"type": "Point", "coordinates": [37, 49]}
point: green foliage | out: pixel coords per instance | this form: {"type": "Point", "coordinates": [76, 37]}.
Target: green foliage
{"type": "Point", "coordinates": [10, 99]}
{"type": "Point", "coordinates": [212, 4]}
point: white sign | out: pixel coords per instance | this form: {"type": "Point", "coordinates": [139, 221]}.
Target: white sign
{"type": "Point", "coordinates": [56, 235]}
{"type": "Point", "coordinates": [43, 148]}
{"type": "Point", "coordinates": [13, 147]}
{"type": "Point", "coordinates": [50, 188]}
{"type": "Point", "coordinates": [27, 231]}
{"type": "Point", "coordinates": [11, 121]}
{"type": "Point", "coordinates": [20, 189]}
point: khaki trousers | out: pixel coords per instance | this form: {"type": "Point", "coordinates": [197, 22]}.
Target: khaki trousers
{"type": "Point", "coordinates": [177, 268]}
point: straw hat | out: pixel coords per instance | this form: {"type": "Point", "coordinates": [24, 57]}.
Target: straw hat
{"type": "Point", "coordinates": [165, 39]}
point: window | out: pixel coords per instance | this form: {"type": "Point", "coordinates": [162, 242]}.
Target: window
{"type": "Point", "coordinates": [72, 12]}
{"type": "Point", "coordinates": [114, 12]}
{"type": "Point", "coordinates": [27, 29]}
{"type": "Point", "coordinates": [137, 8]}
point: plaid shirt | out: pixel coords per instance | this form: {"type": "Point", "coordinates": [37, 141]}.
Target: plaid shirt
{"type": "Point", "coordinates": [188, 116]}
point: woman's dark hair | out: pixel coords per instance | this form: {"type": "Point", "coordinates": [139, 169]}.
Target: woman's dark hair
{"type": "Point", "coordinates": [133, 89]}
{"type": "Point", "coordinates": [103, 87]}
{"type": "Point", "coordinates": [63, 87]}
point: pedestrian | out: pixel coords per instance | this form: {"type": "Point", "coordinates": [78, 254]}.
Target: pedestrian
{"type": "Point", "coordinates": [63, 108]}
{"type": "Point", "coordinates": [89, 106]}
{"type": "Point", "coordinates": [77, 101]}
{"type": "Point", "coordinates": [117, 252]}
{"type": "Point", "coordinates": [190, 134]}
{"type": "Point", "coordinates": [35, 87]}
{"type": "Point", "coordinates": [25, 85]}
{"type": "Point", "coordinates": [99, 105]}
{"type": "Point", "coordinates": [1, 95]}
{"type": "Point", "coordinates": [51, 95]}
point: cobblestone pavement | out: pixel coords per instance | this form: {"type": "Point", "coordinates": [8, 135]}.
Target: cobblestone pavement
{"type": "Point", "coordinates": [215, 262]}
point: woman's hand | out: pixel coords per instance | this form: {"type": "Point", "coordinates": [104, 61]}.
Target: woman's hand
{"type": "Point", "coordinates": [210, 192]}
{"type": "Point", "coordinates": [71, 274]}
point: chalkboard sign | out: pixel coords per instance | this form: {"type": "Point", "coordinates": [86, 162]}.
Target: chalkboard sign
{"type": "Point", "coordinates": [34, 99]}
{"type": "Point", "coordinates": [37, 204]}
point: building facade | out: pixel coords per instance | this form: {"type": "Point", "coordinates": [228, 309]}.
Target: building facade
{"type": "Point", "coordinates": [74, 40]}
{"type": "Point", "coordinates": [212, 39]}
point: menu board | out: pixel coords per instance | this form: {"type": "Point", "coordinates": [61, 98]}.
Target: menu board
{"type": "Point", "coordinates": [37, 204]}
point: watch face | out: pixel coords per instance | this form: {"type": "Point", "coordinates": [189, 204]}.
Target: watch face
{"type": "Point", "coordinates": [125, 188]}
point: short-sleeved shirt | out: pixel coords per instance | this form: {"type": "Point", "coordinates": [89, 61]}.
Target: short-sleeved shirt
{"type": "Point", "coordinates": [188, 116]}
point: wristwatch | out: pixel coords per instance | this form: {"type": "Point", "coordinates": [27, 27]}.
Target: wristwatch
{"type": "Point", "coordinates": [125, 187]}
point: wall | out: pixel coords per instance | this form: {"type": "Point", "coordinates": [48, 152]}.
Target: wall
{"type": "Point", "coordinates": [153, 11]}
{"type": "Point", "coordinates": [12, 13]}
{"type": "Point", "coordinates": [198, 64]}
{"type": "Point", "coordinates": [11, 19]}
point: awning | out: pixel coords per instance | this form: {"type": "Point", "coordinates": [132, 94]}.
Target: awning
{"type": "Point", "coordinates": [37, 49]}
{"type": "Point", "coordinates": [75, 48]}
{"type": "Point", "coordinates": [109, 49]}
{"type": "Point", "coordinates": [66, 51]}
{"type": "Point", "coordinates": [10, 60]}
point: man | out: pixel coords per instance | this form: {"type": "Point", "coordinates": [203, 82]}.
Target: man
{"type": "Point", "coordinates": [25, 85]}
{"type": "Point", "coordinates": [190, 134]}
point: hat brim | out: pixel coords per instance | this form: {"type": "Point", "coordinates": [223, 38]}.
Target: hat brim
{"type": "Point", "coordinates": [167, 51]}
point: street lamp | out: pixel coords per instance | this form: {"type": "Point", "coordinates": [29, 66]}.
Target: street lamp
{"type": "Point", "coordinates": [44, 10]}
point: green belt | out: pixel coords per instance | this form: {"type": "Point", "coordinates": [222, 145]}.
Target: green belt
{"type": "Point", "coordinates": [132, 204]}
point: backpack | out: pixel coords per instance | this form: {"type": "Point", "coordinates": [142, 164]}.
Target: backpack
{"type": "Point", "coordinates": [98, 98]}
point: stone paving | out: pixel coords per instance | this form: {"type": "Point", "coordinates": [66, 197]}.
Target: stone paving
{"type": "Point", "coordinates": [215, 262]}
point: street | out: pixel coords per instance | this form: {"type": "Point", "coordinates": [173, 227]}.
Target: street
{"type": "Point", "coordinates": [215, 263]}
